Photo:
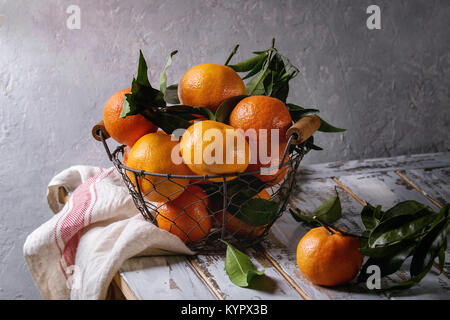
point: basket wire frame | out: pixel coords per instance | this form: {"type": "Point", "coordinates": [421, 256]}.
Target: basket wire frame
{"type": "Point", "coordinates": [222, 200]}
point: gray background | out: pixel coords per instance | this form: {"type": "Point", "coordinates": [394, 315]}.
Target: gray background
{"type": "Point", "coordinates": [389, 87]}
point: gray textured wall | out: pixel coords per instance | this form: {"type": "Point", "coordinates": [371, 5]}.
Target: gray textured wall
{"type": "Point", "coordinates": [389, 87]}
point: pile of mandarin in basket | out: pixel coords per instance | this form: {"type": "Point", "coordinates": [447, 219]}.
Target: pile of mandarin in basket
{"type": "Point", "coordinates": [215, 125]}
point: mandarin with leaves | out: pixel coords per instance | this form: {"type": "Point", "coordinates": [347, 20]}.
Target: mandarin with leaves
{"type": "Point", "coordinates": [124, 130]}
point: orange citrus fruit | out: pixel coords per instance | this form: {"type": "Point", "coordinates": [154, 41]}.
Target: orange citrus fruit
{"type": "Point", "coordinates": [271, 175]}
{"type": "Point", "coordinates": [187, 216]}
{"type": "Point", "coordinates": [207, 85]}
{"type": "Point", "coordinates": [211, 148]}
{"type": "Point", "coordinates": [154, 153]}
{"type": "Point", "coordinates": [124, 130]}
{"type": "Point", "coordinates": [261, 113]}
{"type": "Point", "coordinates": [239, 228]}
{"type": "Point", "coordinates": [126, 152]}
{"type": "Point", "coordinates": [328, 259]}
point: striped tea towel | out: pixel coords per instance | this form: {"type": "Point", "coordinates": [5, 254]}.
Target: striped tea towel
{"type": "Point", "coordinates": [78, 251]}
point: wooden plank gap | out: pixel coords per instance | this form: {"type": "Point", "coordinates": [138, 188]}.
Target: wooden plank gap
{"type": "Point", "coordinates": [284, 274]}
{"type": "Point", "coordinates": [123, 286]}
{"type": "Point", "coordinates": [203, 276]}
{"type": "Point", "coordinates": [412, 184]}
{"type": "Point", "coordinates": [350, 192]}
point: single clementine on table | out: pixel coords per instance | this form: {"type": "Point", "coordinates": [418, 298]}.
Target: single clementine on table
{"type": "Point", "coordinates": [153, 153]}
{"type": "Point", "coordinates": [187, 216]}
{"type": "Point", "coordinates": [207, 85]}
{"type": "Point", "coordinates": [328, 259]}
{"type": "Point", "coordinates": [212, 148]}
{"type": "Point", "coordinates": [239, 228]}
{"type": "Point", "coordinates": [124, 130]}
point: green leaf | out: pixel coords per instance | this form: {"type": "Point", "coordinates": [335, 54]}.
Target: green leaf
{"type": "Point", "coordinates": [330, 211]}
{"type": "Point", "coordinates": [386, 250]}
{"type": "Point", "coordinates": [389, 264]}
{"type": "Point", "coordinates": [226, 107]}
{"type": "Point", "coordinates": [172, 94]}
{"type": "Point", "coordinates": [326, 127]}
{"type": "Point", "coordinates": [429, 247]}
{"type": "Point", "coordinates": [249, 64]}
{"type": "Point", "coordinates": [255, 69]}
{"type": "Point", "coordinates": [256, 85]}
{"type": "Point", "coordinates": [409, 283]}
{"type": "Point", "coordinates": [166, 121]}
{"type": "Point", "coordinates": [309, 145]}
{"type": "Point", "coordinates": [127, 108]}
{"type": "Point", "coordinates": [142, 76]}
{"type": "Point", "coordinates": [298, 112]}
{"type": "Point", "coordinates": [441, 256]}
{"type": "Point", "coordinates": [371, 216]}
{"type": "Point", "coordinates": [163, 76]}
{"type": "Point", "coordinates": [299, 217]}
{"type": "Point", "coordinates": [188, 110]}
{"type": "Point", "coordinates": [409, 207]}
{"type": "Point", "coordinates": [445, 210]}
{"type": "Point", "coordinates": [258, 212]}
{"type": "Point", "coordinates": [239, 267]}
{"type": "Point", "coordinates": [399, 228]}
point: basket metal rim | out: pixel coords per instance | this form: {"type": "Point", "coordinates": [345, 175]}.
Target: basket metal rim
{"type": "Point", "coordinates": [114, 157]}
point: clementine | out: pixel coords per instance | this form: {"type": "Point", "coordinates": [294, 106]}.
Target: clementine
{"type": "Point", "coordinates": [261, 113]}
{"type": "Point", "coordinates": [209, 148]}
{"type": "Point", "coordinates": [328, 259]}
{"type": "Point", "coordinates": [187, 216]}
{"type": "Point", "coordinates": [153, 153]}
{"type": "Point", "coordinates": [207, 85]}
{"type": "Point", "coordinates": [124, 130]}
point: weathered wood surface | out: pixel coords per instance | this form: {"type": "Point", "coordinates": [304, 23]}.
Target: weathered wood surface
{"type": "Point", "coordinates": [164, 278]}
{"type": "Point", "coordinates": [341, 168]}
{"type": "Point", "coordinates": [378, 181]}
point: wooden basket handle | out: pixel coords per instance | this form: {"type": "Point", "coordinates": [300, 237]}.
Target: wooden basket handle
{"type": "Point", "coordinates": [100, 127]}
{"type": "Point", "coordinates": [303, 129]}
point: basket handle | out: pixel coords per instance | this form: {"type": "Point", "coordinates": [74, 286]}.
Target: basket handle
{"type": "Point", "coordinates": [100, 127]}
{"type": "Point", "coordinates": [303, 129]}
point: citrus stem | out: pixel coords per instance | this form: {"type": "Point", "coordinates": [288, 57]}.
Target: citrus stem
{"type": "Point", "coordinates": [333, 230]}
{"type": "Point", "coordinates": [232, 54]}
{"type": "Point", "coordinates": [323, 224]}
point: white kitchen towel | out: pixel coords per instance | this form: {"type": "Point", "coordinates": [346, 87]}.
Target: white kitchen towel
{"type": "Point", "coordinates": [76, 254]}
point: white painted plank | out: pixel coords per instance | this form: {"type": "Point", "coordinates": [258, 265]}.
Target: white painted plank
{"type": "Point", "coordinates": [164, 278]}
{"type": "Point", "coordinates": [286, 233]}
{"type": "Point", "coordinates": [387, 189]}
{"type": "Point", "coordinates": [270, 286]}
{"type": "Point", "coordinates": [421, 161]}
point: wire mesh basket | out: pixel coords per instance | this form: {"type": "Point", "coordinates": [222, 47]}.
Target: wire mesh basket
{"type": "Point", "coordinates": [226, 197]}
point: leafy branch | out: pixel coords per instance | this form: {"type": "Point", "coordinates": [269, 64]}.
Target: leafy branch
{"type": "Point", "coordinates": [408, 229]}
{"type": "Point", "coordinates": [152, 104]}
